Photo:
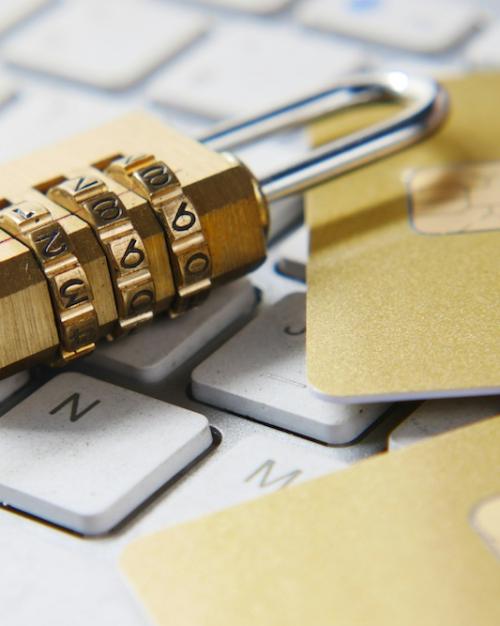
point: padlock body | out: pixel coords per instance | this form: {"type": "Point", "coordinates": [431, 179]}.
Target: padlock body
{"type": "Point", "coordinates": [231, 209]}
{"type": "Point", "coordinates": [28, 332]}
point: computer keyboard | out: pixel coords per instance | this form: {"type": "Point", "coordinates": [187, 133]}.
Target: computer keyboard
{"type": "Point", "coordinates": [189, 416]}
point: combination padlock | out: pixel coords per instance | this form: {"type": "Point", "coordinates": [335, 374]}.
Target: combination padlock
{"type": "Point", "coordinates": [130, 220]}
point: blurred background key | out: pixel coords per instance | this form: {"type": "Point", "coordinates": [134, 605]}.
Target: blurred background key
{"type": "Point", "coordinates": [484, 50]}
{"type": "Point", "coordinates": [104, 44]}
{"type": "Point", "coordinates": [42, 115]}
{"type": "Point", "coordinates": [420, 26]}
{"type": "Point", "coordinates": [247, 67]}
{"type": "Point", "coordinates": [13, 11]}
{"type": "Point", "coordinates": [262, 7]}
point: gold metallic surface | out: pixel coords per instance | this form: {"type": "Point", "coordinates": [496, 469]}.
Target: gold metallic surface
{"type": "Point", "coordinates": [70, 290]}
{"type": "Point", "coordinates": [409, 538]}
{"type": "Point", "coordinates": [89, 253]}
{"type": "Point", "coordinates": [88, 197]}
{"type": "Point", "coordinates": [28, 330]}
{"type": "Point", "coordinates": [189, 251]}
{"type": "Point", "coordinates": [410, 312]}
{"type": "Point", "coordinates": [231, 222]}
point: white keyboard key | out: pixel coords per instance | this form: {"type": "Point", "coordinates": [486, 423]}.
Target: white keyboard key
{"type": "Point", "coordinates": [84, 454]}
{"type": "Point", "coordinates": [151, 353]}
{"type": "Point", "coordinates": [241, 474]}
{"type": "Point", "coordinates": [261, 7]}
{"type": "Point", "coordinates": [254, 467]}
{"type": "Point", "coordinates": [109, 44]}
{"type": "Point", "coordinates": [484, 50]}
{"type": "Point", "coordinates": [260, 373]}
{"type": "Point", "coordinates": [293, 254]}
{"type": "Point", "coordinates": [416, 25]}
{"type": "Point", "coordinates": [9, 386]}
{"type": "Point", "coordinates": [41, 117]}
{"type": "Point", "coordinates": [13, 11]}
{"type": "Point", "coordinates": [434, 417]}
{"type": "Point", "coordinates": [244, 68]}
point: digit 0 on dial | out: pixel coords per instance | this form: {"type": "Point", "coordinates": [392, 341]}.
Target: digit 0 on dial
{"type": "Point", "coordinates": [70, 289]}
{"type": "Point", "coordinates": [190, 255]}
{"type": "Point", "coordinates": [89, 197]}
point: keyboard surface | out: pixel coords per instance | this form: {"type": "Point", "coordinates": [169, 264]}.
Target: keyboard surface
{"type": "Point", "coordinates": [190, 416]}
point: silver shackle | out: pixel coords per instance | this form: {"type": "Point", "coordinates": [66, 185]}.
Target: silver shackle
{"type": "Point", "coordinates": [426, 107]}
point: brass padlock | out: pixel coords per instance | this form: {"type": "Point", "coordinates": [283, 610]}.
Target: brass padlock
{"type": "Point", "coordinates": [105, 230]}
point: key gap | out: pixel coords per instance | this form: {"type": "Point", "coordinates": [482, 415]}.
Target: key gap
{"type": "Point", "coordinates": [44, 186]}
{"type": "Point", "coordinates": [102, 164]}
{"type": "Point", "coordinates": [4, 203]}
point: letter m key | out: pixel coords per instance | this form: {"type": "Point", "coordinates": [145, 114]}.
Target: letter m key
{"type": "Point", "coordinates": [263, 474]}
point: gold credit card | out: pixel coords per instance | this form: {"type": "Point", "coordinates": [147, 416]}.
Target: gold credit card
{"type": "Point", "coordinates": [410, 538]}
{"type": "Point", "coordinates": [404, 269]}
